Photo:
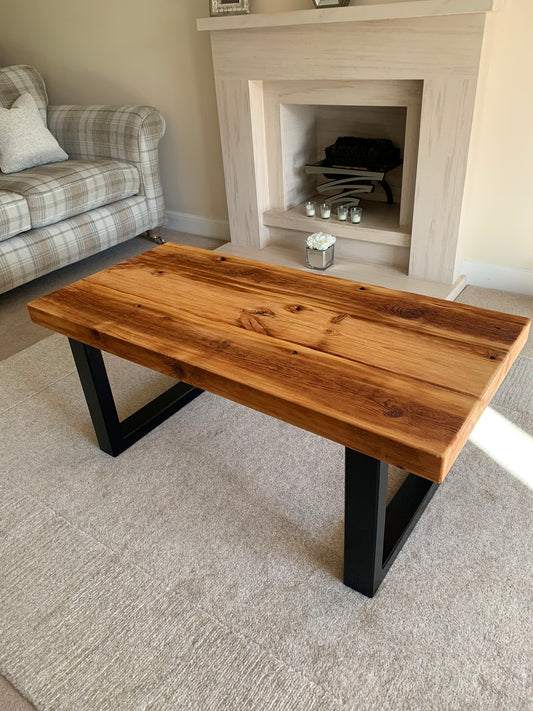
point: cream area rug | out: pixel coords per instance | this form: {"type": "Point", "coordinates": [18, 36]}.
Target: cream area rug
{"type": "Point", "coordinates": [202, 568]}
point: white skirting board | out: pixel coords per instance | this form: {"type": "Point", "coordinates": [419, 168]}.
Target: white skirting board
{"type": "Point", "coordinates": [197, 225]}
{"type": "Point", "coordinates": [494, 276]}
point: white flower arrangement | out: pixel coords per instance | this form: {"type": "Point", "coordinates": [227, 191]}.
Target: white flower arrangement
{"type": "Point", "coordinates": [321, 241]}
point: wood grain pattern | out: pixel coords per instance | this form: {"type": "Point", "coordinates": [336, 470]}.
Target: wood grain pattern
{"type": "Point", "coordinates": [394, 375]}
{"type": "Point", "coordinates": [411, 49]}
{"type": "Point", "coordinates": [446, 122]}
{"type": "Point", "coordinates": [241, 116]}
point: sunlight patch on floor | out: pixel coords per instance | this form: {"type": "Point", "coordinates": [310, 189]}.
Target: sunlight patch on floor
{"type": "Point", "coordinates": [506, 444]}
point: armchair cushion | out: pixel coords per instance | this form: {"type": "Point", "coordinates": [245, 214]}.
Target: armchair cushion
{"type": "Point", "coordinates": [24, 139]}
{"type": "Point", "coordinates": [61, 190]}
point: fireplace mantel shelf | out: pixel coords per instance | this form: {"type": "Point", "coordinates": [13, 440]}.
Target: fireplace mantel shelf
{"type": "Point", "coordinates": [361, 13]}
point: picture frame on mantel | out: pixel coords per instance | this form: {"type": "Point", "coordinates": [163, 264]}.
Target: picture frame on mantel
{"type": "Point", "coordinates": [229, 7]}
{"type": "Point", "coordinates": [331, 3]}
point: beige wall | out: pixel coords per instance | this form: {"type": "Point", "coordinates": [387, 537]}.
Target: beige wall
{"type": "Point", "coordinates": [133, 51]}
{"type": "Point", "coordinates": [497, 218]}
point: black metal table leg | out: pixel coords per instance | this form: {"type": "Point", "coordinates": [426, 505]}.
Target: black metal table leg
{"type": "Point", "coordinates": [374, 533]}
{"type": "Point", "coordinates": [113, 435]}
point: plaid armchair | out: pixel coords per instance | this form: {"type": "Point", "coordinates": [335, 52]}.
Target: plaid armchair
{"type": "Point", "coordinates": [108, 190]}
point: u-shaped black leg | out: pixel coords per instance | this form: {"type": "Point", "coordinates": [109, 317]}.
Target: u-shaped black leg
{"type": "Point", "coordinates": [113, 435]}
{"type": "Point", "coordinates": [374, 533]}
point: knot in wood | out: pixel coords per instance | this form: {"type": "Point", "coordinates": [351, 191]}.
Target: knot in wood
{"type": "Point", "coordinates": [261, 311]}
{"type": "Point", "coordinates": [392, 411]}
{"type": "Point", "coordinates": [406, 312]}
{"type": "Point", "coordinates": [294, 308]}
{"type": "Point", "coordinates": [251, 323]}
{"type": "Point", "coordinates": [219, 346]}
{"type": "Point", "coordinates": [339, 318]}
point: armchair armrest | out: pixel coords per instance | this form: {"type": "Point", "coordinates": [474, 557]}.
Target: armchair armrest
{"type": "Point", "coordinates": [125, 133]}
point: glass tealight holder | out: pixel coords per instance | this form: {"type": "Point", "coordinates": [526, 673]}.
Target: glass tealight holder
{"type": "Point", "coordinates": [310, 208]}
{"type": "Point", "coordinates": [355, 214]}
{"type": "Point", "coordinates": [325, 211]}
{"type": "Point", "coordinates": [319, 258]}
{"type": "Point", "coordinates": [342, 212]}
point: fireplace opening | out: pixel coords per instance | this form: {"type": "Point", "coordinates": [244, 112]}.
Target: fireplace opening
{"type": "Point", "coordinates": [306, 132]}
{"type": "Point", "coordinates": [301, 119]}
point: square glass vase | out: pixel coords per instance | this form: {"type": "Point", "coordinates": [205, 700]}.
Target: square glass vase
{"type": "Point", "coordinates": [319, 258]}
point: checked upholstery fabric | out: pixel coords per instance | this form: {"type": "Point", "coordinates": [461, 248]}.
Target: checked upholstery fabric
{"type": "Point", "coordinates": [109, 189]}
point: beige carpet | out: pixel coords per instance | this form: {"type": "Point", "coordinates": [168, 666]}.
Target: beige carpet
{"type": "Point", "coordinates": [201, 569]}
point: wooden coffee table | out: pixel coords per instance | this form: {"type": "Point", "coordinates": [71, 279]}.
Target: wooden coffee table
{"type": "Point", "coordinates": [395, 377]}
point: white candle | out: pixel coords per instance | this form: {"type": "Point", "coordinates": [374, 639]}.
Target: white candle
{"type": "Point", "coordinates": [342, 212]}
{"type": "Point", "coordinates": [310, 209]}
{"type": "Point", "coordinates": [355, 214]}
{"type": "Point", "coordinates": [325, 210]}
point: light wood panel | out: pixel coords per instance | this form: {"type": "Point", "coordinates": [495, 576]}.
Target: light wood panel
{"type": "Point", "coordinates": [241, 116]}
{"type": "Point", "coordinates": [299, 143]}
{"type": "Point", "coordinates": [384, 221]}
{"type": "Point", "coordinates": [446, 120]}
{"type": "Point", "coordinates": [410, 160]}
{"type": "Point", "coordinates": [357, 251]}
{"type": "Point", "coordinates": [401, 50]}
{"type": "Point", "coordinates": [396, 376]}
{"type": "Point", "coordinates": [346, 93]}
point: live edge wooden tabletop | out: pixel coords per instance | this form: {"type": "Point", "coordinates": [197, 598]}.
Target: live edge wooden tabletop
{"type": "Point", "coordinates": [397, 376]}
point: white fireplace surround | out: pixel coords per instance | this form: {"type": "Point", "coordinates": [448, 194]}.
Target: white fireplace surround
{"type": "Point", "coordinates": [287, 83]}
